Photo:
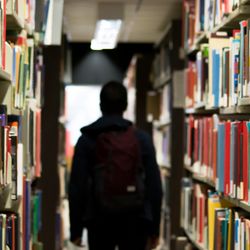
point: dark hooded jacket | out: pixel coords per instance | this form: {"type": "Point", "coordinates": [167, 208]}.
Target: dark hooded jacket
{"type": "Point", "coordinates": [80, 195]}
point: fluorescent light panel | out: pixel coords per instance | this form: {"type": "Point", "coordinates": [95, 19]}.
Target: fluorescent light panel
{"type": "Point", "coordinates": [106, 34]}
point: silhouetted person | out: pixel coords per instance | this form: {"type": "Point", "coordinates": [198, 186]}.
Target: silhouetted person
{"type": "Point", "coordinates": [122, 210]}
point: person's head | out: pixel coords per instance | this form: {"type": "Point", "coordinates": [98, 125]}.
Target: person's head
{"type": "Point", "coordinates": [113, 98]}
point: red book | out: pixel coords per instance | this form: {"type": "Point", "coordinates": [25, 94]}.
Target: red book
{"type": "Point", "coordinates": [210, 143]}
{"type": "Point", "coordinates": [227, 158]}
{"type": "Point", "coordinates": [201, 140]}
{"type": "Point", "coordinates": [196, 140]}
{"type": "Point", "coordinates": [204, 136]}
{"type": "Point", "coordinates": [190, 135]}
{"type": "Point", "coordinates": [227, 7]}
{"type": "Point", "coordinates": [245, 161]}
{"type": "Point", "coordinates": [201, 217]}
{"type": "Point", "coordinates": [239, 183]}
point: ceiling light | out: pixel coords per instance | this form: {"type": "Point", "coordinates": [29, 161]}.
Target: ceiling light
{"type": "Point", "coordinates": [106, 34]}
{"type": "Point", "coordinates": [108, 25]}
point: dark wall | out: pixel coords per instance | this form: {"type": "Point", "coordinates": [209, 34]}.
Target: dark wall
{"type": "Point", "coordinates": [95, 67]}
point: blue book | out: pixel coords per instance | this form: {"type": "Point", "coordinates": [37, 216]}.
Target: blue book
{"type": "Point", "coordinates": [235, 55]}
{"type": "Point", "coordinates": [9, 226]}
{"type": "Point", "coordinates": [216, 76]}
{"type": "Point", "coordinates": [236, 231]}
{"type": "Point", "coordinates": [202, 8]}
{"type": "Point", "coordinates": [243, 27]}
{"type": "Point", "coordinates": [221, 156]}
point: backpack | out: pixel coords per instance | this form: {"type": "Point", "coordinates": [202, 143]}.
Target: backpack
{"type": "Point", "coordinates": [118, 172]}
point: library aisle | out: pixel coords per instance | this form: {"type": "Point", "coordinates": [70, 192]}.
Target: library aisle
{"type": "Point", "coordinates": [186, 67]}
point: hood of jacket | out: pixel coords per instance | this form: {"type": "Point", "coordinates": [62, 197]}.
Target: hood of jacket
{"type": "Point", "coordinates": [106, 123]}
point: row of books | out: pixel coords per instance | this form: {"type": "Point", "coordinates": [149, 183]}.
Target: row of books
{"type": "Point", "coordinates": [211, 221]}
{"type": "Point", "coordinates": [9, 231]}
{"type": "Point", "coordinates": [203, 15]}
{"type": "Point", "coordinates": [161, 66]}
{"type": "Point", "coordinates": [196, 79]}
{"type": "Point", "coordinates": [193, 210]}
{"type": "Point", "coordinates": [219, 151]}
{"type": "Point", "coordinates": [21, 230]}
{"type": "Point", "coordinates": [26, 72]}
{"type": "Point", "coordinates": [159, 105]}
{"type": "Point", "coordinates": [165, 213]}
{"type": "Point", "coordinates": [25, 10]}
{"type": "Point", "coordinates": [9, 134]}
{"type": "Point", "coordinates": [19, 147]}
{"type": "Point", "coordinates": [220, 76]}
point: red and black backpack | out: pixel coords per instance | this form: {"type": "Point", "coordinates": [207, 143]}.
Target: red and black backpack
{"type": "Point", "coordinates": [118, 172]}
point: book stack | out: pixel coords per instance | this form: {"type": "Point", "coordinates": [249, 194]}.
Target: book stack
{"type": "Point", "coordinates": [194, 217]}
{"type": "Point", "coordinates": [21, 84]}
{"type": "Point", "coordinates": [202, 16]}
{"type": "Point", "coordinates": [9, 231]}
{"type": "Point", "coordinates": [212, 222]}
{"type": "Point", "coordinates": [216, 152]}
{"type": "Point", "coordinates": [164, 103]}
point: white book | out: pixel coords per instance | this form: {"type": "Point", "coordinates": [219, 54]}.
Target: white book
{"type": "Point", "coordinates": [8, 59]}
{"type": "Point", "coordinates": [20, 169]}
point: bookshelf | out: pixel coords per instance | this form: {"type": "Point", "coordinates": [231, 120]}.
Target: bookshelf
{"type": "Point", "coordinates": [4, 76]}
{"type": "Point", "coordinates": [165, 111]}
{"type": "Point", "coordinates": [21, 104]}
{"type": "Point", "coordinates": [137, 82]}
{"type": "Point", "coordinates": [217, 113]}
{"type": "Point", "coordinates": [14, 22]}
{"type": "Point", "coordinates": [194, 242]}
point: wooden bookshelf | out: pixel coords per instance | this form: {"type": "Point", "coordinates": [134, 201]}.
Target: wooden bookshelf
{"type": "Point", "coordinates": [14, 22]}
{"type": "Point", "coordinates": [203, 180]}
{"type": "Point", "coordinates": [201, 111]}
{"type": "Point", "coordinates": [193, 241]}
{"type": "Point", "coordinates": [228, 111]}
{"type": "Point", "coordinates": [232, 21]}
{"type": "Point", "coordinates": [4, 76]}
{"type": "Point", "coordinates": [237, 203]}
{"type": "Point", "coordinates": [189, 168]}
{"type": "Point", "coordinates": [199, 178]}
{"type": "Point", "coordinates": [169, 62]}
{"type": "Point", "coordinates": [161, 125]}
{"type": "Point", "coordinates": [201, 38]}
{"type": "Point", "coordinates": [244, 101]}
{"type": "Point", "coordinates": [15, 97]}
{"type": "Point", "coordinates": [211, 133]}
{"type": "Point", "coordinates": [161, 81]}
{"type": "Point", "coordinates": [245, 2]}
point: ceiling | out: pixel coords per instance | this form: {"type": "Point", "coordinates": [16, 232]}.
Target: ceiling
{"type": "Point", "coordinates": [144, 20]}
